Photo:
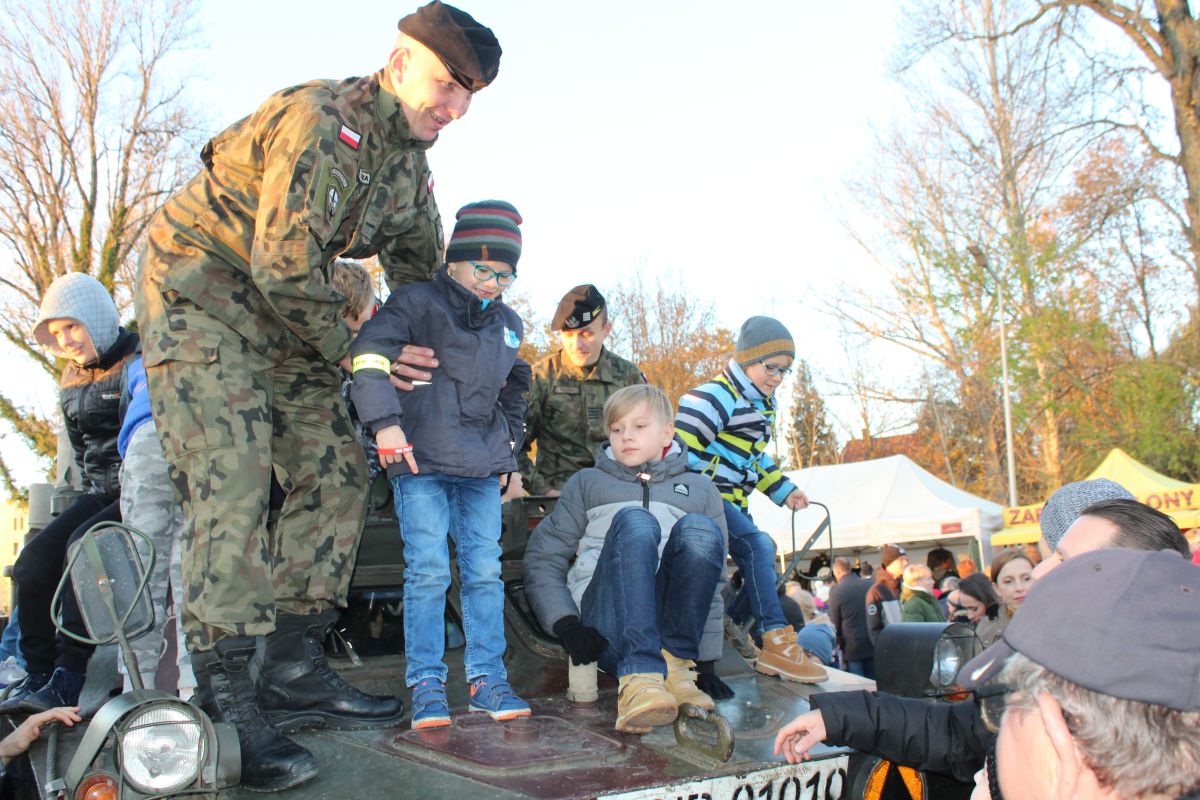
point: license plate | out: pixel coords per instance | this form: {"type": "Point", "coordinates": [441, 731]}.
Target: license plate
{"type": "Point", "coordinates": [812, 780]}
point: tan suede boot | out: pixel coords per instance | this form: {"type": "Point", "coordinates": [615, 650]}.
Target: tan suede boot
{"type": "Point", "coordinates": [681, 682]}
{"type": "Point", "coordinates": [782, 656]}
{"type": "Point", "coordinates": [643, 702]}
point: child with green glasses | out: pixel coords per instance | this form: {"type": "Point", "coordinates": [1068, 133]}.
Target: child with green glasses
{"type": "Point", "coordinates": [445, 444]}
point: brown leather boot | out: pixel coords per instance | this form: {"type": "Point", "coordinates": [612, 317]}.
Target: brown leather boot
{"type": "Point", "coordinates": [643, 702]}
{"type": "Point", "coordinates": [681, 682]}
{"type": "Point", "coordinates": [781, 655]}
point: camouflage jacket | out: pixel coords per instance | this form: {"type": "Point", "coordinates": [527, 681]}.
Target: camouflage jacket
{"type": "Point", "coordinates": [565, 416]}
{"type": "Point", "coordinates": [320, 170]}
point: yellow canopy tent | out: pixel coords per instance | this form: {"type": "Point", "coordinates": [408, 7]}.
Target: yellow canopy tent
{"type": "Point", "coordinates": [1178, 498]}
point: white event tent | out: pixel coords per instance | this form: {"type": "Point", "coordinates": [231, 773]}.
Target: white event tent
{"type": "Point", "coordinates": [872, 503]}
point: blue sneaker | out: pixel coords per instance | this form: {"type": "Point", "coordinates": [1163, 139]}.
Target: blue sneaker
{"type": "Point", "coordinates": [496, 699]}
{"type": "Point", "coordinates": [430, 708]}
{"type": "Point", "coordinates": [62, 689]}
{"type": "Point", "coordinates": [21, 690]}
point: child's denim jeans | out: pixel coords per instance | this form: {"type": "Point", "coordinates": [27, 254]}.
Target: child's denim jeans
{"type": "Point", "coordinates": [429, 505]}
{"type": "Point", "coordinates": [754, 553]}
{"type": "Point", "coordinates": [642, 604]}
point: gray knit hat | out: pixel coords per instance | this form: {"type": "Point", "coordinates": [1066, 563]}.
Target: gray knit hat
{"type": "Point", "coordinates": [1065, 505]}
{"type": "Point", "coordinates": [79, 297]}
{"type": "Point", "coordinates": [761, 338]}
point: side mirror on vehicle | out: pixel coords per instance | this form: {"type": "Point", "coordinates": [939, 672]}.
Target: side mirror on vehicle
{"type": "Point", "coordinates": [144, 743]}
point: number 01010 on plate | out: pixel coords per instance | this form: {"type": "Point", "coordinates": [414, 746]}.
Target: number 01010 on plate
{"type": "Point", "coordinates": [812, 780]}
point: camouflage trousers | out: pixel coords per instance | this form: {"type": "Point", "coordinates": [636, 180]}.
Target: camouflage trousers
{"type": "Point", "coordinates": [228, 414]}
{"type": "Point", "coordinates": [148, 504]}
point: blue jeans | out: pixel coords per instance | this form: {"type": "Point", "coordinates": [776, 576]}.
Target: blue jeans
{"type": "Point", "coordinates": [10, 642]}
{"type": "Point", "coordinates": [865, 667]}
{"type": "Point", "coordinates": [754, 553]}
{"type": "Point", "coordinates": [643, 604]}
{"type": "Point", "coordinates": [429, 506]}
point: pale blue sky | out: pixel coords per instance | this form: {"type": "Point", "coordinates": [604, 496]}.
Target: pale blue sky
{"type": "Point", "coordinates": [705, 140]}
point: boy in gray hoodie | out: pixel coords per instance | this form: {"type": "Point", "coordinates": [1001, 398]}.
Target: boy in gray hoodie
{"type": "Point", "coordinates": [626, 570]}
{"type": "Point", "coordinates": [77, 322]}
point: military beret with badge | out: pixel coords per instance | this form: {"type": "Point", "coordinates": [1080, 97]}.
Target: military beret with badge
{"type": "Point", "coordinates": [578, 308]}
{"type": "Point", "coordinates": [469, 50]}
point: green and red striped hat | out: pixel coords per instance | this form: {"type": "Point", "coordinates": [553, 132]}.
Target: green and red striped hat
{"type": "Point", "coordinates": [486, 231]}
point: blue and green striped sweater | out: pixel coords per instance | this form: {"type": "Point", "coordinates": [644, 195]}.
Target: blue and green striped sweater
{"type": "Point", "coordinates": [726, 425]}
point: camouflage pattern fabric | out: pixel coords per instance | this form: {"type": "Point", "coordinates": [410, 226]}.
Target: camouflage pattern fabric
{"type": "Point", "coordinates": [226, 414]}
{"type": "Point", "coordinates": [245, 328]}
{"type": "Point", "coordinates": [565, 416]}
{"type": "Point", "coordinates": [148, 505]}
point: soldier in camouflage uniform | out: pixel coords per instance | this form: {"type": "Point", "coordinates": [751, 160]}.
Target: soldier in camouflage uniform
{"type": "Point", "coordinates": [569, 389]}
{"type": "Point", "coordinates": [245, 337]}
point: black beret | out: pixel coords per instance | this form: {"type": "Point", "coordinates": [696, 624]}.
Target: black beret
{"type": "Point", "coordinates": [469, 50]}
{"type": "Point", "coordinates": [578, 308]}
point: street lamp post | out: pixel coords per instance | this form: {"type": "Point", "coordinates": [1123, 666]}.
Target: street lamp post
{"type": "Point", "coordinates": [981, 260]}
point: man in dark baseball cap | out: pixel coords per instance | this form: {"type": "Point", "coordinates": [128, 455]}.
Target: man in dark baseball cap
{"type": "Point", "coordinates": [1095, 686]}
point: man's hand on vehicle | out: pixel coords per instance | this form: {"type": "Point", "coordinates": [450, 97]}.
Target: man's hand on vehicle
{"type": "Point", "coordinates": [411, 364]}
{"type": "Point", "coordinates": [583, 643]}
{"type": "Point", "coordinates": [709, 683]}
{"type": "Point", "coordinates": [795, 739]}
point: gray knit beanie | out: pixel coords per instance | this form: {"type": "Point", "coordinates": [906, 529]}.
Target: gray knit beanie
{"type": "Point", "coordinates": [79, 297]}
{"type": "Point", "coordinates": [761, 338]}
{"type": "Point", "coordinates": [1065, 505]}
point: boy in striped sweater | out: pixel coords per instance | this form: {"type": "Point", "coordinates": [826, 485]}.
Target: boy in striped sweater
{"type": "Point", "coordinates": [726, 425]}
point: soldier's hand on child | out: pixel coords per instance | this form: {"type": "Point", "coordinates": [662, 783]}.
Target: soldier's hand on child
{"type": "Point", "coordinates": [393, 447]}
{"type": "Point", "coordinates": [797, 500]}
{"type": "Point", "coordinates": [408, 365]}
{"type": "Point", "coordinates": [795, 739]}
{"type": "Point", "coordinates": [28, 731]}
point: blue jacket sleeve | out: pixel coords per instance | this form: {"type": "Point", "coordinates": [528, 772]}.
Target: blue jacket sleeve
{"type": "Point", "coordinates": [378, 344]}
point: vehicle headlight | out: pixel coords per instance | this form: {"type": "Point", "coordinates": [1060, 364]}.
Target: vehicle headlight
{"type": "Point", "coordinates": [947, 659]}
{"type": "Point", "coordinates": [162, 748]}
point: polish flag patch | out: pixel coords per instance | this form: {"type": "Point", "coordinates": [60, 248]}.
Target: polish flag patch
{"type": "Point", "coordinates": [350, 137]}
{"type": "Point", "coordinates": [429, 184]}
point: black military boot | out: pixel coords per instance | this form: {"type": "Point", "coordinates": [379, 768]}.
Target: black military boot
{"type": "Point", "coordinates": [226, 692]}
{"type": "Point", "coordinates": [298, 688]}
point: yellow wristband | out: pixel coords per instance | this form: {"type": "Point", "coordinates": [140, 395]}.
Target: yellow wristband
{"type": "Point", "coordinates": [370, 361]}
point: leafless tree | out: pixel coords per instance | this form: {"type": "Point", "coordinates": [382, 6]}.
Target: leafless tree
{"type": "Point", "coordinates": [95, 133]}
{"type": "Point", "coordinates": [673, 338]}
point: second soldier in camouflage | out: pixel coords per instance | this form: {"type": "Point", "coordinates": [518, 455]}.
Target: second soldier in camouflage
{"type": "Point", "coordinates": [569, 389]}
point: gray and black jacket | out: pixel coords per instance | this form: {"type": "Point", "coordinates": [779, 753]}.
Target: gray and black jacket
{"type": "Point", "coordinates": [564, 548]}
{"type": "Point", "coordinates": [90, 398]}
{"type": "Point", "coordinates": [471, 417]}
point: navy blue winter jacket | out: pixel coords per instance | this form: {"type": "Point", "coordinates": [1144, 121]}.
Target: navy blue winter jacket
{"type": "Point", "coordinates": [471, 418]}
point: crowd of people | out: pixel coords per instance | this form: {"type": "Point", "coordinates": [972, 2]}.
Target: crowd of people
{"type": "Point", "coordinates": [266, 386]}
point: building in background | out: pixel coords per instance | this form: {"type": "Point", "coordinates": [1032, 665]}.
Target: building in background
{"type": "Point", "coordinates": [14, 524]}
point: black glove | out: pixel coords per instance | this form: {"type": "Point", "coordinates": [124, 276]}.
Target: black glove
{"type": "Point", "coordinates": [709, 683]}
{"type": "Point", "coordinates": [584, 644]}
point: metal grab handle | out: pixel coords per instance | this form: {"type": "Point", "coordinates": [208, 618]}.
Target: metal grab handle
{"type": "Point", "coordinates": [693, 717]}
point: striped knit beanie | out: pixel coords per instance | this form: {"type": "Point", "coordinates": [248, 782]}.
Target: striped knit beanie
{"type": "Point", "coordinates": [761, 338]}
{"type": "Point", "coordinates": [486, 231]}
